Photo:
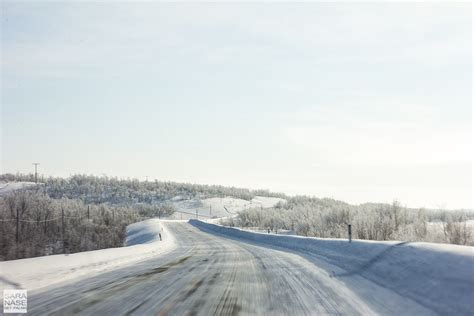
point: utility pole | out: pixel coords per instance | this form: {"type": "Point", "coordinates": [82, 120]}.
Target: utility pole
{"type": "Point", "coordinates": [36, 171]}
{"type": "Point", "coordinates": [88, 212]}
{"type": "Point", "coordinates": [197, 215]}
{"type": "Point", "coordinates": [17, 225]}
{"type": "Point", "coordinates": [62, 229]}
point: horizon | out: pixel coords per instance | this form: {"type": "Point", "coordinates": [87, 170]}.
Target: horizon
{"type": "Point", "coordinates": [327, 100]}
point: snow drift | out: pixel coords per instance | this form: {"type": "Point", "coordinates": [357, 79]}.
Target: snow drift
{"type": "Point", "coordinates": [439, 277]}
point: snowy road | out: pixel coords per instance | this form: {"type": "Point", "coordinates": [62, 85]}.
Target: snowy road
{"type": "Point", "coordinates": [207, 274]}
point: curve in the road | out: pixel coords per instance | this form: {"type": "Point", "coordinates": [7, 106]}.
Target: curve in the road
{"type": "Point", "coordinates": [211, 275]}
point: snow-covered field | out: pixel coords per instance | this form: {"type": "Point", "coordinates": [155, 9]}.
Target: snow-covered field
{"type": "Point", "coordinates": [7, 187]}
{"type": "Point", "coordinates": [439, 225]}
{"type": "Point", "coordinates": [219, 207]}
{"type": "Point", "coordinates": [440, 276]}
{"type": "Point", "coordinates": [34, 273]}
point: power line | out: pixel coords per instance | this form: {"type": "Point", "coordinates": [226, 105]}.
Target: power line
{"type": "Point", "coordinates": [39, 221]}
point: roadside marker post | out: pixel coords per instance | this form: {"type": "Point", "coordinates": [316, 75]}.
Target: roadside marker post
{"type": "Point", "coordinates": [349, 228]}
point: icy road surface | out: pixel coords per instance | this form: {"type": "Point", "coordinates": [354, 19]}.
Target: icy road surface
{"type": "Point", "coordinates": [207, 274]}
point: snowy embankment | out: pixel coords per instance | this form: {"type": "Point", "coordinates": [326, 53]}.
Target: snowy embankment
{"type": "Point", "coordinates": [437, 276]}
{"type": "Point", "coordinates": [34, 273]}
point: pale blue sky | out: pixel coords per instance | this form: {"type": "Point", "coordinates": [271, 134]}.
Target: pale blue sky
{"type": "Point", "coordinates": [360, 102]}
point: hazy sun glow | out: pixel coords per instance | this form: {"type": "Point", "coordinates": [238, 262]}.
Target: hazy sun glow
{"type": "Point", "coordinates": [360, 102]}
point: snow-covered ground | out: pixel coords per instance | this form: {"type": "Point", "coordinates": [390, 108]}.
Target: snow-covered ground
{"type": "Point", "coordinates": [7, 187]}
{"type": "Point", "coordinates": [439, 276]}
{"type": "Point", "coordinates": [264, 201]}
{"type": "Point", "coordinates": [34, 273]}
{"type": "Point", "coordinates": [219, 207]}
{"type": "Point", "coordinates": [439, 225]}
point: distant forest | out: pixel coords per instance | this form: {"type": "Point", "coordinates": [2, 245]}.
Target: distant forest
{"type": "Point", "coordinates": [93, 189]}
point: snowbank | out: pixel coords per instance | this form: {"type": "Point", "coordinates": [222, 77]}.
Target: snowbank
{"type": "Point", "coordinates": [437, 276]}
{"type": "Point", "coordinates": [34, 273]}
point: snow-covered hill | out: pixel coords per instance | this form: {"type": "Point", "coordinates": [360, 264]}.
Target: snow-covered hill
{"type": "Point", "coordinates": [8, 187]}
{"type": "Point", "coordinates": [219, 207]}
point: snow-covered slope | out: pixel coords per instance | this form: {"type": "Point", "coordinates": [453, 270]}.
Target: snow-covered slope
{"type": "Point", "coordinates": [33, 273]}
{"type": "Point", "coordinates": [437, 276]}
{"type": "Point", "coordinates": [7, 187]}
{"type": "Point", "coordinates": [219, 207]}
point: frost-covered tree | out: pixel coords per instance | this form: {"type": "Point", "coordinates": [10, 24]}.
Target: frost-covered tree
{"type": "Point", "coordinates": [329, 218]}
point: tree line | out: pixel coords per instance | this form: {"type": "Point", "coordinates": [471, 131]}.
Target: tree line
{"type": "Point", "coordinates": [34, 224]}
{"type": "Point", "coordinates": [93, 189]}
{"type": "Point", "coordinates": [328, 218]}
